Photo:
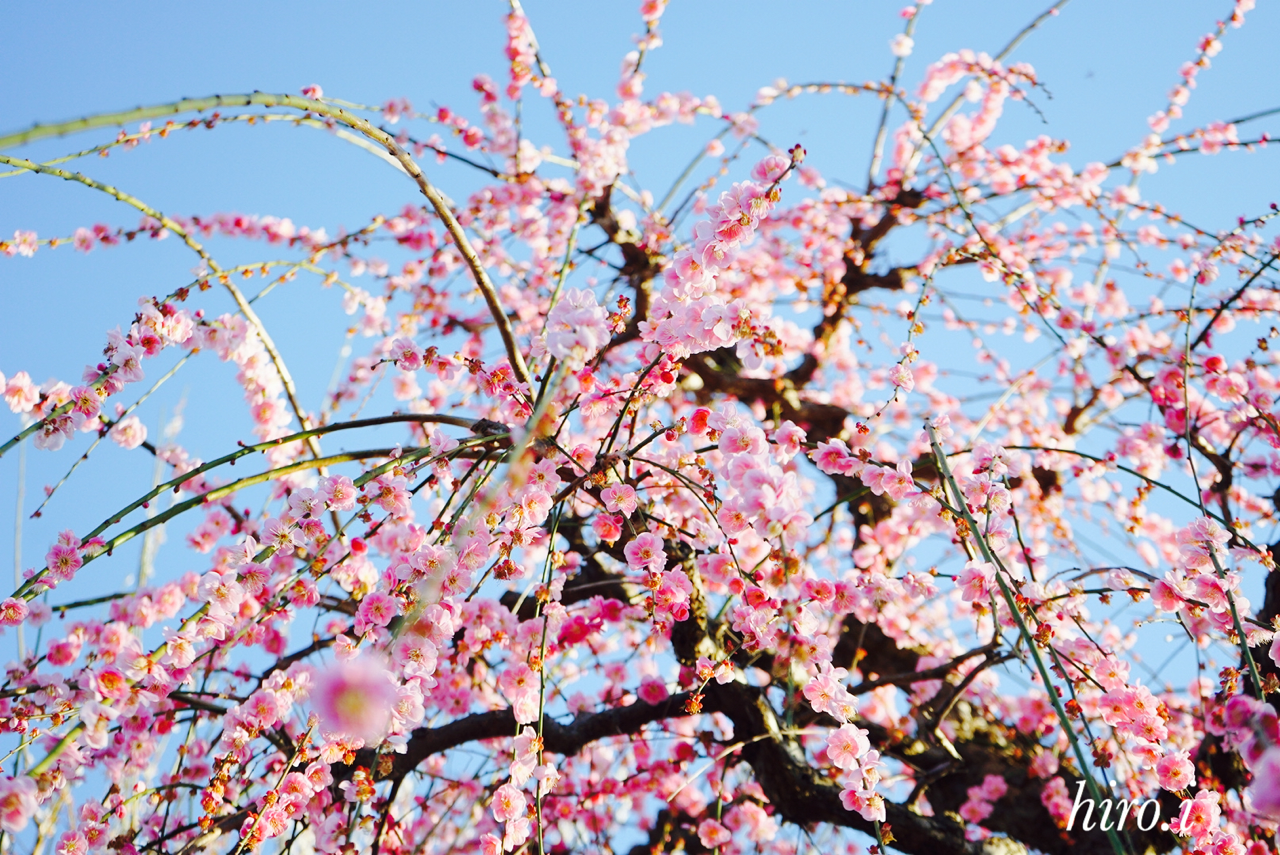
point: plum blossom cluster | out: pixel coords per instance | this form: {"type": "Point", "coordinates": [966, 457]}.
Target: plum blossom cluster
{"type": "Point", "coordinates": [60, 410]}
{"type": "Point", "coordinates": [691, 518]}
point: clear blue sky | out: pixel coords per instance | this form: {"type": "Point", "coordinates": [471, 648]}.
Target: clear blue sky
{"type": "Point", "coordinates": [1107, 64]}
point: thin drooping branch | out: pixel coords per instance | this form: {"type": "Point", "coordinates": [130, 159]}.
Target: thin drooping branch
{"type": "Point", "coordinates": [307, 105]}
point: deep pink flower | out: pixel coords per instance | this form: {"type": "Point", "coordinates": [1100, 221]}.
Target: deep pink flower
{"type": "Point", "coordinates": [13, 611]}
{"type": "Point", "coordinates": [608, 527]}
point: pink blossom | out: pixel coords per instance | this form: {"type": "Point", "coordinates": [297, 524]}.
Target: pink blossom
{"type": "Point", "coordinates": [63, 561]}
{"type": "Point", "coordinates": [262, 709]}
{"type": "Point", "coordinates": [653, 691]}
{"type": "Point", "coordinates": [17, 802]}
{"type": "Point", "coordinates": [1198, 817]}
{"type": "Point", "coordinates": [20, 393]}
{"type": "Point", "coordinates": [1264, 792]}
{"type": "Point", "coordinates": [406, 355]}
{"type": "Point", "coordinates": [521, 687]}
{"type": "Point", "coordinates": [846, 745]}
{"type": "Point", "coordinates": [273, 822]}
{"type": "Point", "coordinates": [646, 553]}
{"type": "Point", "coordinates": [827, 694]}
{"type": "Point", "coordinates": [608, 527]}
{"type": "Point", "coordinates": [354, 698]}
{"type": "Point", "coordinates": [72, 843]}
{"type": "Point", "coordinates": [508, 803]}
{"type": "Point", "coordinates": [338, 492]}
{"type": "Point", "coordinates": [834, 458]}
{"type": "Point", "coordinates": [13, 611]}
{"type": "Point", "coordinates": [129, 432]}
{"type": "Point", "coordinates": [576, 327]}
{"type": "Point", "coordinates": [713, 834]}
{"type": "Point", "coordinates": [1176, 771]}
{"type": "Point", "coordinates": [902, 377]}
{"type": "Point", "coordinates": [221, 590]}
{"type": "Point", "coordinates": [619, 498]}
{"type": "Point", "coordinates": [24, 243]}
{"type": "Point", "coordinates": [869, 805]}
{"type": "Point", "coordinates": [516, 833]}
{"type": "Point", "coordinates": [994, 787]}
{"type": "Point", "coordinates": [977, 580]}
{"type": "Point", "coordinates": [376, 609]}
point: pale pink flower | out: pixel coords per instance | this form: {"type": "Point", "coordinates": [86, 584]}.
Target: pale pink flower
{"type": "Point", "coordinates": [282, 534]}
{"type": "Point", "coordinates": [722, 672]}
{"type": "Point", "coordinates": [128, 361]}
{"type": "Point", "coordinates": [129, 432]}
{"type": "Point", "coordinates": [897, 483]}
{"type": "Point", "coordinates": [520, 686]}
{"type": "Point", "coordinates": [338, 492]}
{"type": "Point", "coordinates": [376, 609]}
{"type": "Point", "coordinates": [17, 802]}
{"type": "Point", "coordinates": [441, 443]}
{"type": "Point", "coordinates": [901, 376]}
{"type": "Point", "coordinates": [21, 394]}
{"type": "Point", "coordinates": [24, 244]}
{"type": "Point", "coordinates": [977, 580]}
{"type": "Point", "coordinates": [846, 745]}
{"type": "Point", "coordinates": [516, 833]}
{"type": "Point", "coordinates": [508, 803]}
{"type": "Point", "coordinates": [619, 498]}
{"type": "Point", "coordinates": [524, 757]}
{"type": "Point", "coordinates": [826, 692]}
{"type": "Point", "coordinates": [868, 804]}
{"type": "Point", "coordinates": [221, 590]}
{"type": "Point", "coordinates": [1264, 792]}
{"type": "Point", "coordinates": [273, 822]}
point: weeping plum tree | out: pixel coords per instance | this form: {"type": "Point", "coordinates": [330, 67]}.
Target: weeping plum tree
{"type": "Point", "coordinates": [684, 522]}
